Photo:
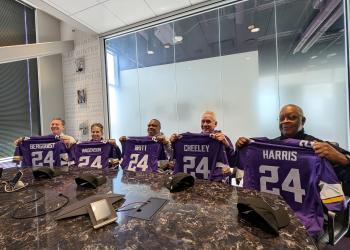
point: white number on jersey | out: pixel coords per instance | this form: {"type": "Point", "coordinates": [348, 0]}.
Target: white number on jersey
{"type": "Point", "coordinates": [37, 159]}
{"type": "Point", "coordinates": [84, 162]}
{"type": "Point", "coordinates": [190, 165]}
{"type": "Point", "coordinates": [273, 178]}
{"type": "Point", "coordinates": [306, 144]}
{"type": "Point", "coordinates": [292, 177]}
{"type": "Point", "coordinates": [136, 163]}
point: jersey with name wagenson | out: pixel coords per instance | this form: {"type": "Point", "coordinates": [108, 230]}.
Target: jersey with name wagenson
{"type": "Point", "coordinates": [290, 168]}
{"type": "Point", "coordinates": [93, 154]}
{"type": "Point", "coordinates": [141, 154]}
{"type": "Point", "coordinates": [201, 156]}
{"type": "Point", "coordinates": [38, 151]}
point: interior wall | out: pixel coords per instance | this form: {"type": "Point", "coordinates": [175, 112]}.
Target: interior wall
{"type": "Point", "coordinates": [49, 72]}
{"type": "Point", "coordinates": [177, 94]}
{"type": "Point", "coordinates": [82, 115]}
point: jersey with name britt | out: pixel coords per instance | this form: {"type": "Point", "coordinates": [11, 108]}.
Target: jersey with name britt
{"type": "Point", "coordinates": [141, 154]}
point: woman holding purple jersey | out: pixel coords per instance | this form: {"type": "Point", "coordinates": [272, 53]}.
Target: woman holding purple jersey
{"type": "Point", "coordinates": [97, 134]}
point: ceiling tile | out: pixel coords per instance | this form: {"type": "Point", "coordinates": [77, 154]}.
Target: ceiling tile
{"type": "Point", "coordinates": [130, 11]}
{"type": "Point", "coordinates": [164, 6]}
{"type": "Point", "coordinates": [99, 18]}
{"type": "Point", "coordinates": [72, 6]}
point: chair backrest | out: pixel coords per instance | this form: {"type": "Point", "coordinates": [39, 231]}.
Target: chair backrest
{"type": "Point", "coordinates": [337, 225]}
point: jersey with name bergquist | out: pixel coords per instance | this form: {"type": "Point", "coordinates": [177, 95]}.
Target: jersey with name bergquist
{"type": "Point", "coordinates": [141, 154]}
{"type": "Point", "coordinates": [38, 151]}
{"type": "Point", "coordinates": [93, 154]}
{"type": "Point", "coordinates": [201, 156]}
{"type": "Point", "coordinates": [290, 168]}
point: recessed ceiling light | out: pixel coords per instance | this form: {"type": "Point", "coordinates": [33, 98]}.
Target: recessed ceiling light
{"type": "Point", "coordinates": [331, 55]}
{"type": "Point", "coordinates": [255, 30]}
{"type": "Point", "coordinates": [167, 46]}
{"type": "Point", "coordinates": [250, 27]}
{"type": "Point", "coordinates": [313, 57]}
{"type": "Point", "coordinates": [150, 52]}
{"type": "Point", "coordinates": [178, 38]}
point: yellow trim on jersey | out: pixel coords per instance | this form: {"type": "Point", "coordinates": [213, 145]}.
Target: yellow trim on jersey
{"type": "Point", "coordinates": [333, 199]}
{"type": "Point", "coordinates": [17, 158]}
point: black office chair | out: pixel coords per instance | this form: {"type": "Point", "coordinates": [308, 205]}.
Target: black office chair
{"type": "Point", "coordinates": [336, 225]}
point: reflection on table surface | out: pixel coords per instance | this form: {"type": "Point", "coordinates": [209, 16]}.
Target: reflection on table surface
{"type": "Point", "coordinates": [204, 216]}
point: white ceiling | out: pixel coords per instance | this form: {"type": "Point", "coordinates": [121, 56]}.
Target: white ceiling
{"type": "Point", "coordinates": [105, 15]}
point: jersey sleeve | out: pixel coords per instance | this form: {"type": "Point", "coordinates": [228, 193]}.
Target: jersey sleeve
{"type": "Point", "coordinates": [116, 153]}
{"type": "Point", "coordinates": [222, 168]}
{"type": "Point", "coordinates": [331, 191]}
{"type": "Point", "coordinates": [239, 162]}
{"type": "Point", "coordinates": [72, 154]}
{"type": "Point", "coordinates": [17, 155]}
{"type": "Point", "coordinates": [230, 152]}
{"type": "Point", "coordinates": [162, 155]}
{"type": "Point", "coordinates": [62, 153]}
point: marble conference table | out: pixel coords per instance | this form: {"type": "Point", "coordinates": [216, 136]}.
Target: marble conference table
{"type": "Point", "coordinates": [203, 217]}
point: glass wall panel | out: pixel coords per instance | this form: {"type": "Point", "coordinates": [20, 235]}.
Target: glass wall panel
{"type": "Point", "coordinates": [155, 51]}
{"type": "Point", "coordinates": [198, 76]}
{"type": "Point", "coordinates": [123, 86]}
{"type": "Point", "coordinates": [197, 37]}
{"type": "Point", "coordinates": [243, 61]}
{"type": "Point", "coordinates": [312, 66]}
{"type": "Point", "coordinates": [155, 46]}
{"type": "Point", "coordinates": [248, 68]}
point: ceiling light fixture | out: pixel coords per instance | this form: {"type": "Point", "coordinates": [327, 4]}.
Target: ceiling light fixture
{"type": "Point", "coordinates": [313, 57]}
{"type": "Point", "coordinates": [178, 39]}
{"type": "Point", "coordinates": [250, 27]}
{"type": "Point", "coordinates": [167, 46]}
{"type": "Point", "coordinates": [331, 55]}
{"type": "Point", "coordinates": [256, 29]}
{"type": "Point", "coordinates": [150, 52]}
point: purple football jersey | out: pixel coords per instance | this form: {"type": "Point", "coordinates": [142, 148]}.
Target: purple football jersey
{"type": "Point", "coordinates": [290, 168]}
{"type": "Point", "coordinates": [40, 151]}
{"type": "Point", "coordinates": [93, 154]}
{"type": "Point", "coordinates": [141, 154]}
{"type": "Point", "coordinates": [201, 156]}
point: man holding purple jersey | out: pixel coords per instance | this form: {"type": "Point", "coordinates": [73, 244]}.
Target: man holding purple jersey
{"type": "Point", "coordinates": [57, 127]}
{"type": "Point", "coordinates": [153, 130]}
{"type": "Point", "coordinates": [208, 125]}
{"type": "Point", "coordinates": [291, 125]}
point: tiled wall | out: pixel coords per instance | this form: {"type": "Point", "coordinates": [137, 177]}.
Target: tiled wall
{"type": "Point", "coordinates": [90, 79]}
